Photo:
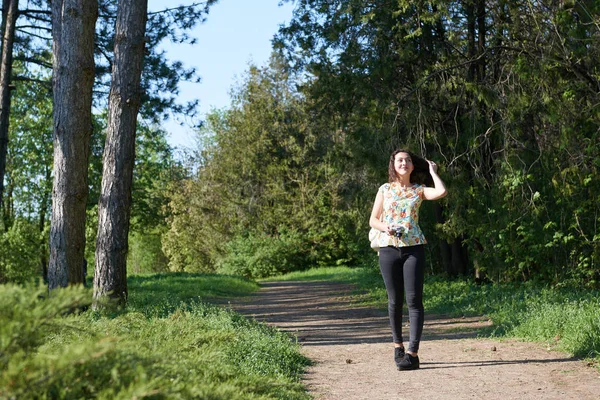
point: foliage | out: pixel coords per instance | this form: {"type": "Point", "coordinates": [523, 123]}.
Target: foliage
{"type": "Point", "coordinates": [258, 256]}
{"type": "Point", "coordinates": [503, 93]}
{"type": "Point", "coordinates": [29, 186]}
{"type": "Point", "coordinates": [29, 166]}
{"type": "Point", "coordinates": [145, 253]}
{"type": "Point", "coordinates": [21, 256]}
{"type": "Point", "coordinates": [193, 350]}
{"type": "Point", "coordinates": [267, 186]}
{"type": "Point", "coordinates": [160, 77]}
{"type": "Point", "coordinates": [29, 161]}
{"type": "Point", "coordinates": [28, 316]}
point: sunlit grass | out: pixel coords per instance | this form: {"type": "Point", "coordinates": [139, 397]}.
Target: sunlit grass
{"type": "Point", "coordinates": [150, 293]}
{"type": "Point", "coordinates": [168, 344]}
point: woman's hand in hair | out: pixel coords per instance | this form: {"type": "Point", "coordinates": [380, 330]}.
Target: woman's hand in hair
{"type": "Point", "coordinates": [433, 168]}
{"type": "Point", "coordinates": [439, 189]}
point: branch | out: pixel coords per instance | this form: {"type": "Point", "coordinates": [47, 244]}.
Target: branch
{"type": "Point", "coordinates": [34, 61]}
{"type": "Point", "coordinates": [166, 10]}
{"type": "Point", "coordinates": [34, 35]}
{"type": "Point", "coordinates": [476, 59]}
{"type": "Point", "coordinates": [107, 56]}
{"type": "Point", "coordinates": [42, 28]}
{"type": "Point", "coordinates": [30, 11]}
{"type": "Point", "coordinates": [20, 78]}
{"type": "Point", "coordinates": [27, 14]}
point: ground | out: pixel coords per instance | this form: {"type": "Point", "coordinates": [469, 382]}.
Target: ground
{"type": "Point", "coordinates": [353, 355]}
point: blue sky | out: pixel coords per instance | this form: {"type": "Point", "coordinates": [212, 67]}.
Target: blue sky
{"type": "Point", "coordinates": [235, 33]}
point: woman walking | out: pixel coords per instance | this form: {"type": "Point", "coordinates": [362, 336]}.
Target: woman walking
{"type": "Point", "coordinates": [401, 254]}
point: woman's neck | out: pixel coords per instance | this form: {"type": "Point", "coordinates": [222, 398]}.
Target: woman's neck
{"type": "Point", "coordinates": [403, 181]}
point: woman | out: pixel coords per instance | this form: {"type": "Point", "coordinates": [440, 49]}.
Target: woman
{"type": "Point", "coordinates": [401, 254]}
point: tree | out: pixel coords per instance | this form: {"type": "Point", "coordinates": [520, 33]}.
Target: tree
{"type": "Point", "coordinates": [73, 24]}
{"type": "Point", "coordinates": [29, 161]}
{"type": "Point", "coordinates": [110, 278]}
{"type": "Point", "coordinates": [268, 196]}
{"type": "Point", "coordinates": [32, 43]}
{"type": "Point", "coordinates": [9, 21]}
{"type": "Point", "coordinates": [503, 92]}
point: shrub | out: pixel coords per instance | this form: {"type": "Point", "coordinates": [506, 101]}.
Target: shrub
{"type": "Point", "coordinates": [50, 350]}
{"type": "Point", "coordinates": [145, 253]}
{"type": "Point", "coordinates": [20, 258]}
{"type": "Point", "coordinates": [258, 255]}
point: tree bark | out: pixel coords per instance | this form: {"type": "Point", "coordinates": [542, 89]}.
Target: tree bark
{"type": "Point", "coordinates": [470, 15]}
{"type": "Point", "coordinates": [445, 250]}
{"type": "Point", "coordinates": [110, 277]}
{"type": "Point", "coordinates": [73, 28]}
{"type": "Point", "coordinates": [42, 225]}
{"type": "Point", "coordinates": [10, 15]}
{"type": "Point", "coordinates": [481, 32]}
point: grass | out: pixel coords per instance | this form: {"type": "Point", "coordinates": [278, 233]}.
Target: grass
{"type": "Point", "coordinates": [565, 319]}
{"type": "Point", "coordinates": [162, 293]}
{"type": "Point", "coordinates": [168, 344]}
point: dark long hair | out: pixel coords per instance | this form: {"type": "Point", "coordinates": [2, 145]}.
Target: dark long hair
{"type": "Point", "coordinates": [419, 175]}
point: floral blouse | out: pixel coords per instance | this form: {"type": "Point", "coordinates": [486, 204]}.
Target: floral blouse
{"type": "Point", "coordinates": [401, 208]}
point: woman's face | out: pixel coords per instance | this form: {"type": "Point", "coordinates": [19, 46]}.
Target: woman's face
{"type": "Point", "coordinates": [403, 164]}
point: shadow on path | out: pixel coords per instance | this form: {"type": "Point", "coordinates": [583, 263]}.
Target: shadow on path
{"type": "Point", "coordinates": [321, 313]}
{"type": "Point", "coordinates": [351, 349]}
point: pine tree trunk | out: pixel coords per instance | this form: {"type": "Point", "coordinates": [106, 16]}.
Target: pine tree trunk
{"type": "Point", "coordinates": [73, 28]}
{"type": "Point", "coordinates": [10, 15]}
{"type": "Point", "coordinates": [110, 277]}
{"type": "Point", "coordinates": [42, 225]}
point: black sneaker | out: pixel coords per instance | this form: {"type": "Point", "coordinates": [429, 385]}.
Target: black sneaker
{"type": "Point", "coordinates": [398, 355]}
{"type": "Point", "coordinates": [408, 363]}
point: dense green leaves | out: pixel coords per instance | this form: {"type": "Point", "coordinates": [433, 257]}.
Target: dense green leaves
{"type": "Point", "coordinates": [168, 344]}
{"type": "Point", "coordinates": [503, 93]}
{"type": "Point", "coordinates": [267, 196]}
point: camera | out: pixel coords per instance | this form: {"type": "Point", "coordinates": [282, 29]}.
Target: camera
{"type": "Point", "coordinates": [398, 231]}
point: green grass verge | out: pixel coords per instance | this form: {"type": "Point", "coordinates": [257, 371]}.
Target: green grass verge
{"type": "Point", "coordinates": [167, 345]}
{"type": "Point", "coordinates": [566, 319]}
{"type": "Point", "coordinates": [162, 293]}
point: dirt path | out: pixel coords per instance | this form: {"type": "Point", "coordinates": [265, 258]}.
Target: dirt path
{"type": "Point", "coordinates": [353, 355]}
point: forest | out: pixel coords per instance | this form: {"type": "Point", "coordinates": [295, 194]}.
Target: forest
{"type": "Point", "coordinates": [122, 258]}
{"type": "Point", "coordinates": [503, 95]}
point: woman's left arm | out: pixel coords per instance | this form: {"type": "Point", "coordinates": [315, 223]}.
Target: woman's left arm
{"type": "Point", "coordinates": [439, 189]}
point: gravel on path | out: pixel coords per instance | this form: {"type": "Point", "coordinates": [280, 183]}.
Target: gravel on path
{"type": "Point", "coordinates": [353, 355]}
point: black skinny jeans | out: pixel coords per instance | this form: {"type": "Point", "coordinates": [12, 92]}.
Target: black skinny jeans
{"type": "Point", "coordinates": [402, 269]}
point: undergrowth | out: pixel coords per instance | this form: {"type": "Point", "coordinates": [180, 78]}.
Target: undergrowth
{"type": "Point", "coordinates": [167, 345]}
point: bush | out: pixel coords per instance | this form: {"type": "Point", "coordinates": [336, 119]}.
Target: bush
{"type": "Point", "coordinates": [20, 258]}
{"type": "Point", "coordinates": [145, 253]}
{"type": "Point", "coordinates": [258, 255]}
{"type": "Point", "coordinates": [196, 350]}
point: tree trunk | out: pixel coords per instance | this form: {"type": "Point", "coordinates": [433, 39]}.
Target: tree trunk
{"type": "Point", "coordinates": [470, 15]}
{"type": "Point", "coordinates": [481, 32]}
{"type": "Point", "coordinates": [110, 277]}
{"type": "Point", "coordinates": [10, 15]}
{"type": "Point", "coordinates": [42, 225]}
{"type": "Point", "coordinates": [460, 261]}
{"type": "Point", "coordinates": [73, 28]}
{"type": "Point", "coordinates": [8, 209]}
{"type": "Point", "coordinates": [445, 250]}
